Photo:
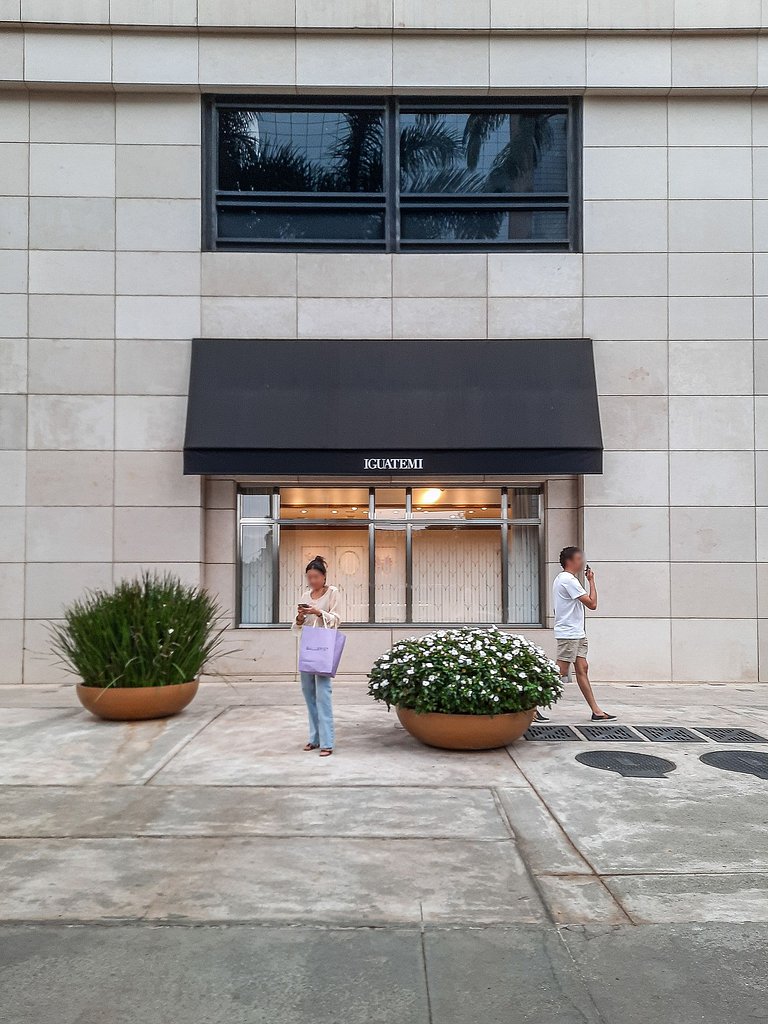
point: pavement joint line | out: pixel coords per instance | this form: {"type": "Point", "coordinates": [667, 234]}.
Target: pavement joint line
{"type": "Point", "coordinates": [103, 836]}
{"type": "Point", "coordinates": [180, 746]}
{"type": "Point", "coordinates": [600, 1019]}
{"type": "Point", "coordinates": [309, 785]}
{"type": "Point", "coordinates": [502, 813]}
{"type": "Point", "coordinates": [182, 786]}
{"type": "Point", "coordinates": [411, 927]}
{"type": "Point", "coordinates": [683, 874]}
{"type": "Point", "coordinates": [532, 876]}
{"type": "Point", "coordinates": [423, 945]}
{"type": "Point", "coordinates": [176, 836]}
{"type": "Point", "coordinates": [341, 924]}
{"type": "Point", "coordinates": [568, 840]}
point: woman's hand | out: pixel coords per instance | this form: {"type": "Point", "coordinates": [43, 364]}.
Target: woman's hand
{"type": "Point", "coordinates": [313, 611]}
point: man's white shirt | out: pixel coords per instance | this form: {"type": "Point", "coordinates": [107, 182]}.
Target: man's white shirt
{"type": "Point", "coordinates": [569, 610]}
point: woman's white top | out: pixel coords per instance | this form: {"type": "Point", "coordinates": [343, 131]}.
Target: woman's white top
{"type": "Point", "coordinates": [329, 606]}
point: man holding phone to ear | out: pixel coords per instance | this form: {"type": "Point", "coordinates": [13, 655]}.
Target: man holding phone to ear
{"type": "Point", "coordinates": [570, 600]}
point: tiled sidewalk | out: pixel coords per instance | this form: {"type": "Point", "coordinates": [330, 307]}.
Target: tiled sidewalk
{"type": "Point", "coordinates": [216, 819]}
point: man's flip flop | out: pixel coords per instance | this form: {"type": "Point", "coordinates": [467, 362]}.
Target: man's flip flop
{"type": "Point", "coordinates": [603, 718]}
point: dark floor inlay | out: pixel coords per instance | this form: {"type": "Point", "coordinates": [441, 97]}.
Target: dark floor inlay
{"type": "Point", "coordinates": [669, 734]}
{"type": "Point", "coordinates": [627, 763]}
{"type": "Point", "coordinates": [748, 762]}
{"type": "Point", "coordinates": [720, 735]}
{"type": "Point", "coordinates": [552, 732]}
{"type": "Point", "coordinates": [610, 733]}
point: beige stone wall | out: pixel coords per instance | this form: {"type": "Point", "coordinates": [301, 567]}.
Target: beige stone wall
{"type": "Point", "coordinates": [100, 272]}
{"type": "Point", "coordinates": [377, 15]}
{"type": "Point", "coordinates": [102, 285]}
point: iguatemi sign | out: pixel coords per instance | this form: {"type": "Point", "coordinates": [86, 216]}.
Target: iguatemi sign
{"type": "Point", "coordinates": [396, 465]}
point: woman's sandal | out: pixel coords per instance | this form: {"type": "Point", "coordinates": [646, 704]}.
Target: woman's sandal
{"type": "Point", "coordinates": [311, 746]}
{"type": "Point", "coordinates": [326, 752]}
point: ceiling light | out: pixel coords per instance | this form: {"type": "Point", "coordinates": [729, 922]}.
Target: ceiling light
{"type": "Point", "coordinates": [334, 511]}
{"type": "Point", "coordinates": [354, 508]}
{"type": "Point", "coordinates": [431, 495]}
{"type": "Point", "coordinates": [303, 511]}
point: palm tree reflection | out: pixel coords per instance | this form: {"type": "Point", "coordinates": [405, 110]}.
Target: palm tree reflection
{"type": "Point", "coordinates": [441, 155]}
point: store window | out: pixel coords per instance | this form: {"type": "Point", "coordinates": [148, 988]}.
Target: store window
{"type": "Point", "coordinates": [392, 175]}
{"type": "Point", "coordinates": [427, 555]}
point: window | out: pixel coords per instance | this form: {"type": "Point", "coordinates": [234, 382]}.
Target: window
{"type": "Point", "coordinates": [398, 554]}
{"type": "Point", "coordinates": [392, 175]}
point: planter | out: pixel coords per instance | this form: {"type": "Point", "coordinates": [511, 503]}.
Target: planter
{"type": "Point", "coordinates": [465, 732]}
{"type": "Point", "coordinates": [135, 703]}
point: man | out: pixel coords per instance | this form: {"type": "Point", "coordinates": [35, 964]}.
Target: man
{"type": "Point", "coordinates": [570, 600]}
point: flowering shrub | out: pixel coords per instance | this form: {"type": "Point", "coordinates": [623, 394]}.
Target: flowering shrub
{"type": "Point", "coordinates": [466, 672]}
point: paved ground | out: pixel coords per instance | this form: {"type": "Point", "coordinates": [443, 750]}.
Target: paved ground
{"type": "Point", "coordinates": [205, 869]}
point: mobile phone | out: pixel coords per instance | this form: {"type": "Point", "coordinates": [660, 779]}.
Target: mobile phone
{"type": "Point", "coordinates": [303, 606]}
{"type": "Point", "coordinates": [588, 568]}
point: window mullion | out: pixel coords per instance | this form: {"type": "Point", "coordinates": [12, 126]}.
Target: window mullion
{"type": "Point", "coordinates": [505, 528]}
{"type": "Point", "coordinates": [371, 556]}
{"type": "Point", "coordinates": [408, 555]}
{"type": "Point", "coordinates": [392, 176]}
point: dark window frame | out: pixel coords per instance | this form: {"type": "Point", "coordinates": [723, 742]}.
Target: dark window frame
{"type": "Point", "coordinates": [569, 201]}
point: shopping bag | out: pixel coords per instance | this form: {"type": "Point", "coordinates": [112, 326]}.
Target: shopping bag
{"type": "Point", "coordinates": [320, 650]}
{"type": "Point", "coordinates": [338, 650]}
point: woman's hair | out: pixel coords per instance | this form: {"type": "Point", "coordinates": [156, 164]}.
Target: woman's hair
{"type": "Point", "coordinates": [318, 563]}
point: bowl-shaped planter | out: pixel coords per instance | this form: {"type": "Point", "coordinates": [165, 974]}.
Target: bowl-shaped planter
{"type": "Point", "coordinates": [138, 649]}
{"type": "Point", "coordinates": [466, 689]}
{"type": "Point", "coordinates": [136, 703]}
{"type": "Point", "coordinates": [465, 732]}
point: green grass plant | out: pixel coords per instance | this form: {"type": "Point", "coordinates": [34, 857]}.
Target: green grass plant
{"type": "Point", "coordinates": [150, 631]}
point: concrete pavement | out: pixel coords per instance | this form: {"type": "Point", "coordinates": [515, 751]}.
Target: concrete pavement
{"type": "Point", "coordinates": [205, 868]}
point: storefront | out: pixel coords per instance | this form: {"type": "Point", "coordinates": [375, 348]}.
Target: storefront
{"type": "Point", "coordinates": [390, 234]}
{"type": "Point", "coordinates": [418, 471]}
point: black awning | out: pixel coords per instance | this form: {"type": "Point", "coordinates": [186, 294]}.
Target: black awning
{"type": "Point", "coordinates": [380, 407]}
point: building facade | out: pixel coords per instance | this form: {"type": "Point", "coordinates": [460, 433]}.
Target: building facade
{"type": "Point", "coordinates": [571, 200]}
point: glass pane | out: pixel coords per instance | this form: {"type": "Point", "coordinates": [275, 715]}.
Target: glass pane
{"type": "Point", "coordinates": [324, 503]}
{"type": "Point", "coordinates": [390, 574]}
{"type": "Point", "coordinates": [256, 504]}
{"type": "Point", "coordinates": [456, 574]}
{"type": "Point", "coordinates": [345, 548]}
{"type": "Point", "coordinates": [255, 223]}
{"type": "Point", "coordinates": [524, 503]}
{"type": "Point", "coordinates": [524, 574]}
{"type": "Point", "coordinates": [300, 151]}
{"type": "Point", "coordinates": [477, 224]}
{"type": "Point", "coordinates": [483, 151]}
{"type": "Point", "coordinates": [464, 503]}
{"type": "Point", "coordinates": [256, 573]}
{"type": "Point", "coordinates": [390, 502]}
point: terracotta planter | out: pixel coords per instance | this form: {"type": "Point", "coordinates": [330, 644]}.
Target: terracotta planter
{"type": "Point", "coordinates": [465, 732]}
{"type": "Point", "coordinates": [134, 703]}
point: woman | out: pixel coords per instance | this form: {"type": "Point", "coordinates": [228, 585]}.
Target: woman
{"type": "Point", "coordinates": [319, 607]}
